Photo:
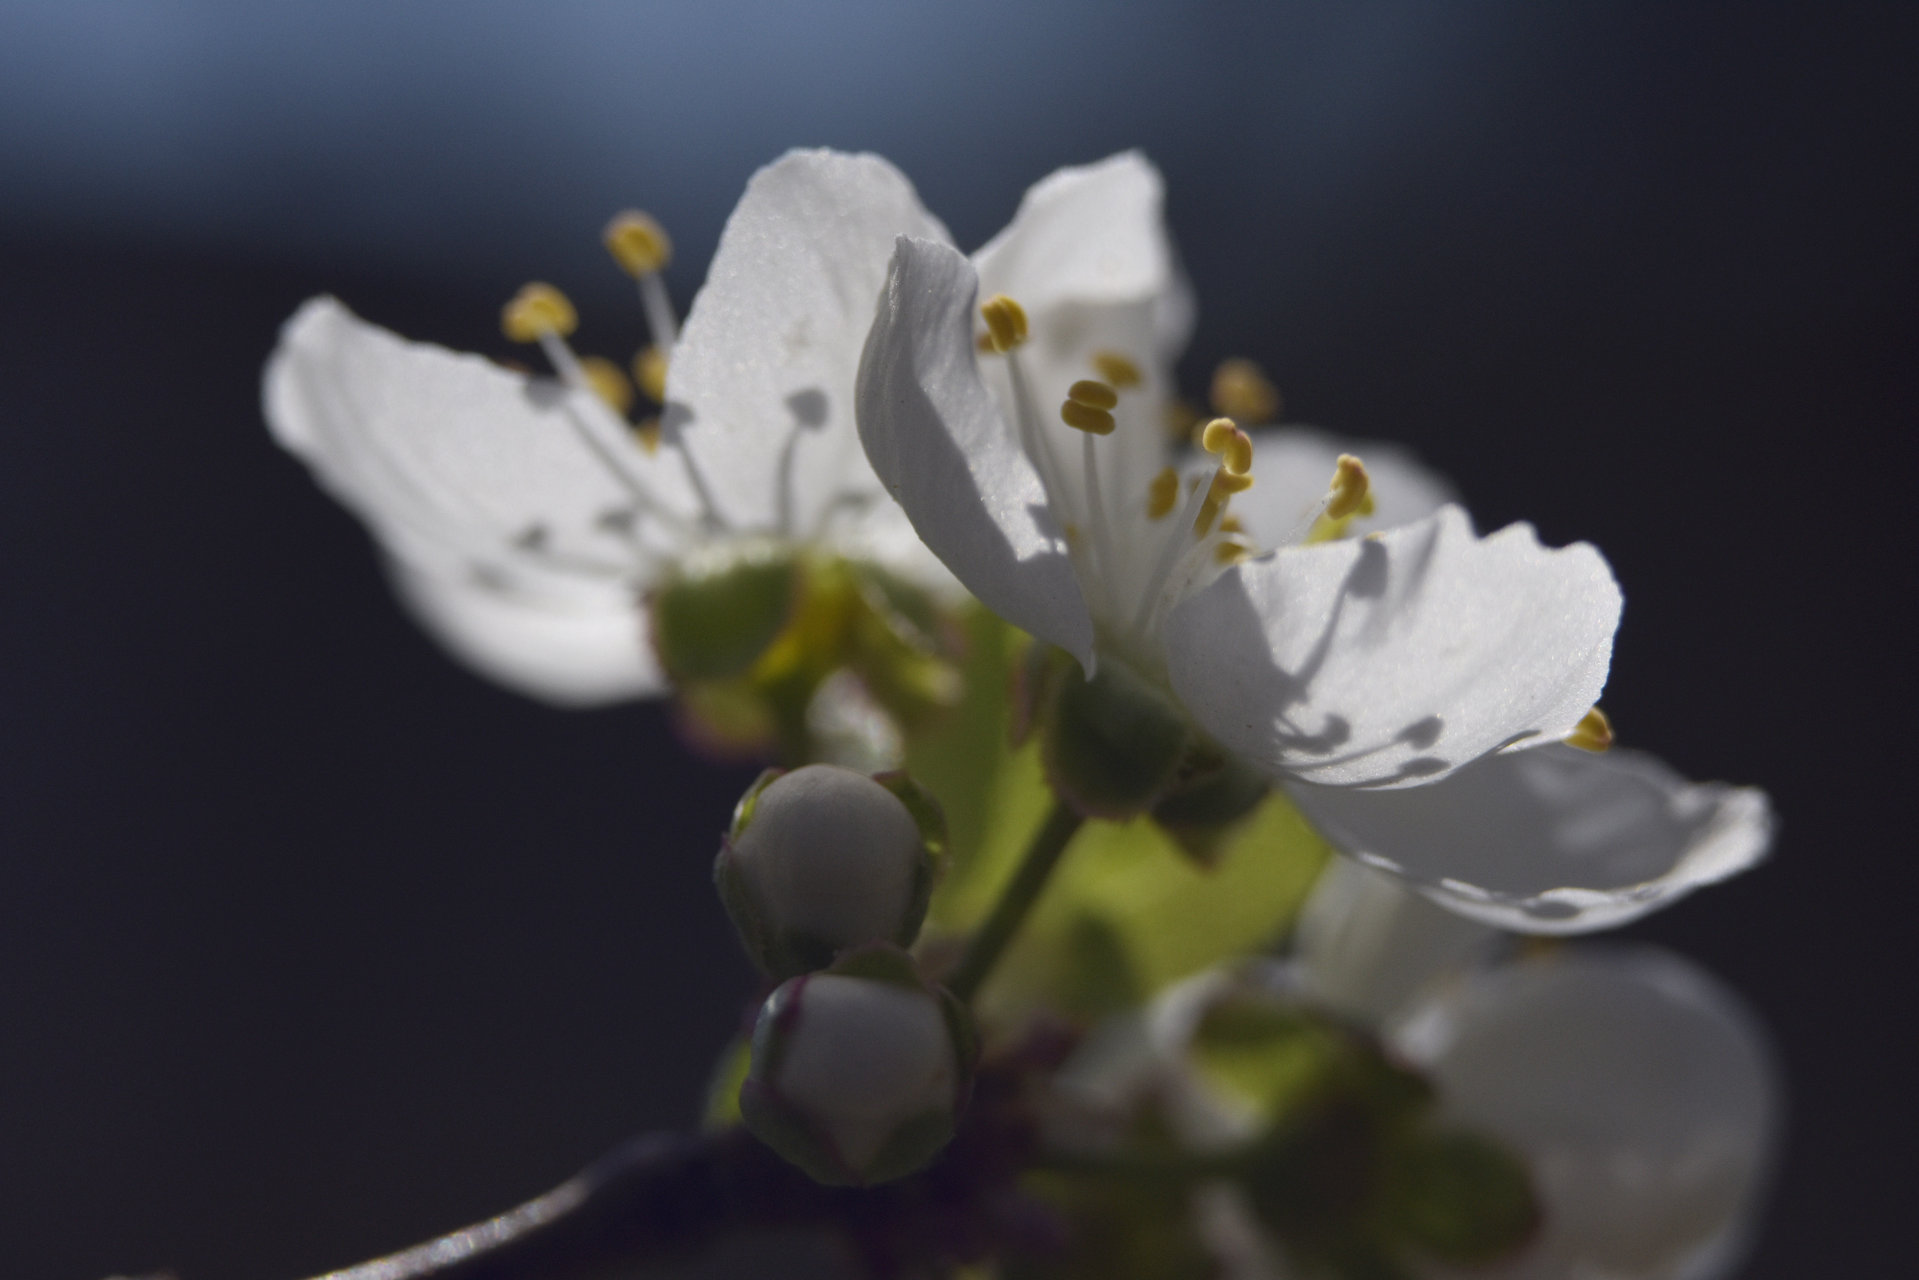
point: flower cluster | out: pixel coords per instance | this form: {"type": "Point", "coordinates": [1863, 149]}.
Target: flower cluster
{"type": "Point", "coordinates": [1221, 908]}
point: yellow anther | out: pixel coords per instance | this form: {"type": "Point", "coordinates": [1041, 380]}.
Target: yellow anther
{"type": "Point", "coordinates": [1005, 321]}
{"type": "Point", "coordinates": [608, 383]}
{"type": "Point", "coordinates": [1229, 483]}
{"type": "Point", "coordinates": [1081, 416]}
{"type": "Point", "coordinates": [1094, 395]}
{"type": "Point", "coordinates": [1162, 494]}
{"type": "Point", "coordinates": [1117, 369]}
{"type": "Point", "coordinates": [1231, 524]}
{"type": "Point", "coordinates": [1351, 488]}
{"type": "Point", "coordinates": [1593, 733]}
{"type": "Point", "coordinates": [638, 243]}
{"type": "Point", "coordinates": [647, 432]}
{"type": "Point", "coordinates": [1229, 550]}
{"type": "Point", "coordinates": [984, 344]}
{"type": "Point", "coordinates": [1242, 390]}
{"type": "Point", "coordinates": [1233, 447]}
{"type": "Point", "coordinates": [537, 310]}
{"type": "Point", "coordinates": [649, 370]}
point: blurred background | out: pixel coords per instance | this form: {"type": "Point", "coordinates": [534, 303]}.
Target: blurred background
{"type": "Point", "coordinates": [313, 945]}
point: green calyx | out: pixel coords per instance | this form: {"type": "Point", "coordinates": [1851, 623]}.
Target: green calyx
{"type": "Point", "coordinates": [1118, 747]}
{"type": "Point", "coordinates": [713, 621]}
{"type": "Point", "coordinates": [1114, 744]}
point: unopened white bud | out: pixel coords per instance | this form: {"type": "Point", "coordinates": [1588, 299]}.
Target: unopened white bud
{"type": "Point", "coordinates": [822, 859]}
{"type": "Point", "coordinates": [859, 1073]}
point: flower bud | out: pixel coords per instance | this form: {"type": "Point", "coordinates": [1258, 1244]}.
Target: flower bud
{"type": "Point", "coordinates": [822, 859]}
{"type": "Point", "coordinates": [859, 1072]}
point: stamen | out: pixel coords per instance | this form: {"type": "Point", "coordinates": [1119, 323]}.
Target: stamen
{"type": "Point", "coordinates": [1242, 390]}
{"type": "Point", "coordinates": [642, 248]}
{"type": "Point", "coordinates": [638, 243]}
{"type": "Point", "coordinates": [647, 432]}
{"type": "Point", "coordinates": [1235, 452]}
{"type": "Point", "coordinates": [1005, 322]}
{"type": "Point", "coordinates": [1350, 488]}
{"type": "Point", "coordinates": [1592, 733]}
{"type": "Point", "coordinates": [1233, 447]}
{"type": "Point", "coordinates": [1225, 484]}
{"type": "Point", "coordinates": [538, 311]}
{"type": "Point", "coordinates": [1117, 370]}
{"type": "Point", "coordinates": [1162, 494]}
{"type": "Point", "coordinates": [649, 371]}
{"type": "Point", "coordinates": [1089, 407]}
{"type": "Point", "coordinates": [608, 383]}
{"type": "Point", "coordinates": [1349, 495]}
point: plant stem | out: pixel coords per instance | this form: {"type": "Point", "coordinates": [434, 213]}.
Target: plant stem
{"type": "Point", "coordinates": [1042, 855]}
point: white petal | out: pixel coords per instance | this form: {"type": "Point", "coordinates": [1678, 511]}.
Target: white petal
{"type": "Point", "coordinates": [1640, 1092]}
{"type": "Point", "coordinates": [1365, 944]}
{"type": "Point", "coordinates": [937, 441]}
{"type": "Point", "coordinates": [1555, 840]}
{"type": "Point", "coordinates": [572, 653]}
{"type": "Point", "coordinates": [1089, 258]}
{"type": "Point", "coordinates": [1092, 233]}
{"type": "Point", "coordinates": [457, 464]}
{"type": "Point", "coordinates": [1393, 659]}
{"type": "Point", "coordinates": [1294, 466]}
{"type": "Point", "coordinates": [760, 386]}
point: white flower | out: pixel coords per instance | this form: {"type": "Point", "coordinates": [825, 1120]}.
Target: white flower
{"type": "Point", "coordinates": [524, 520]}
{"type": "Point", "coordinates": [1381, 661]}
{"type": "Point", "coordinates": [1638, 1091]}
{"type": "Point", "coordinates": [1378, 662]}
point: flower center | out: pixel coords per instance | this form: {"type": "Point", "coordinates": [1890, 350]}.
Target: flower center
{"type": "Point", "coordinates": [1131, 554]}
{"type": "Point", "coordinates": [541, 314]}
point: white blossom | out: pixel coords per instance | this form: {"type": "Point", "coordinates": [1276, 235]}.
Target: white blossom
{"type": "Point", "coordinates": [524, 520]}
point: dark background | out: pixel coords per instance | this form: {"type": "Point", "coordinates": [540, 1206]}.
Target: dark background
{"type": "Point", "coordinates": [312, 945]}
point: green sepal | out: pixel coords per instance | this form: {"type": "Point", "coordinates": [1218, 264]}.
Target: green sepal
{"type": "Point", "coordinates": [743, 811]}
{"type": "Point", "coordinates": [713, 623]}
{"type": "Point", "coordinates": [1113, 745]}
{"type": "Point", "coordinates": [879, 962]}
{"type": "Point", "coordinates": [1214, 791]}
{"type": "Point", "coordinates": [911, 1148]}
{"type": "Point", "coordinates": [722, 1106]}
{"type": "Point", "coordinates": [780, 1127]}
{"type": "Point", "coordinates": [1035, 675]}
{"type": "Point", "coordinates": [925, 810]}
{"type": "Point", "coordinates": [1461, 1199]}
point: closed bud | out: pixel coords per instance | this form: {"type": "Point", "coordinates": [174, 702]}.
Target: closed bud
{"type": "Point", "coordinates": [822, 859]}
{"type": "Point", "coordinates": [859, 1072]}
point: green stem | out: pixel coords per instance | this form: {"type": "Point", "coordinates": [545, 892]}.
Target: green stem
{"type": "Point", "coordinates": [1042, 855]}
